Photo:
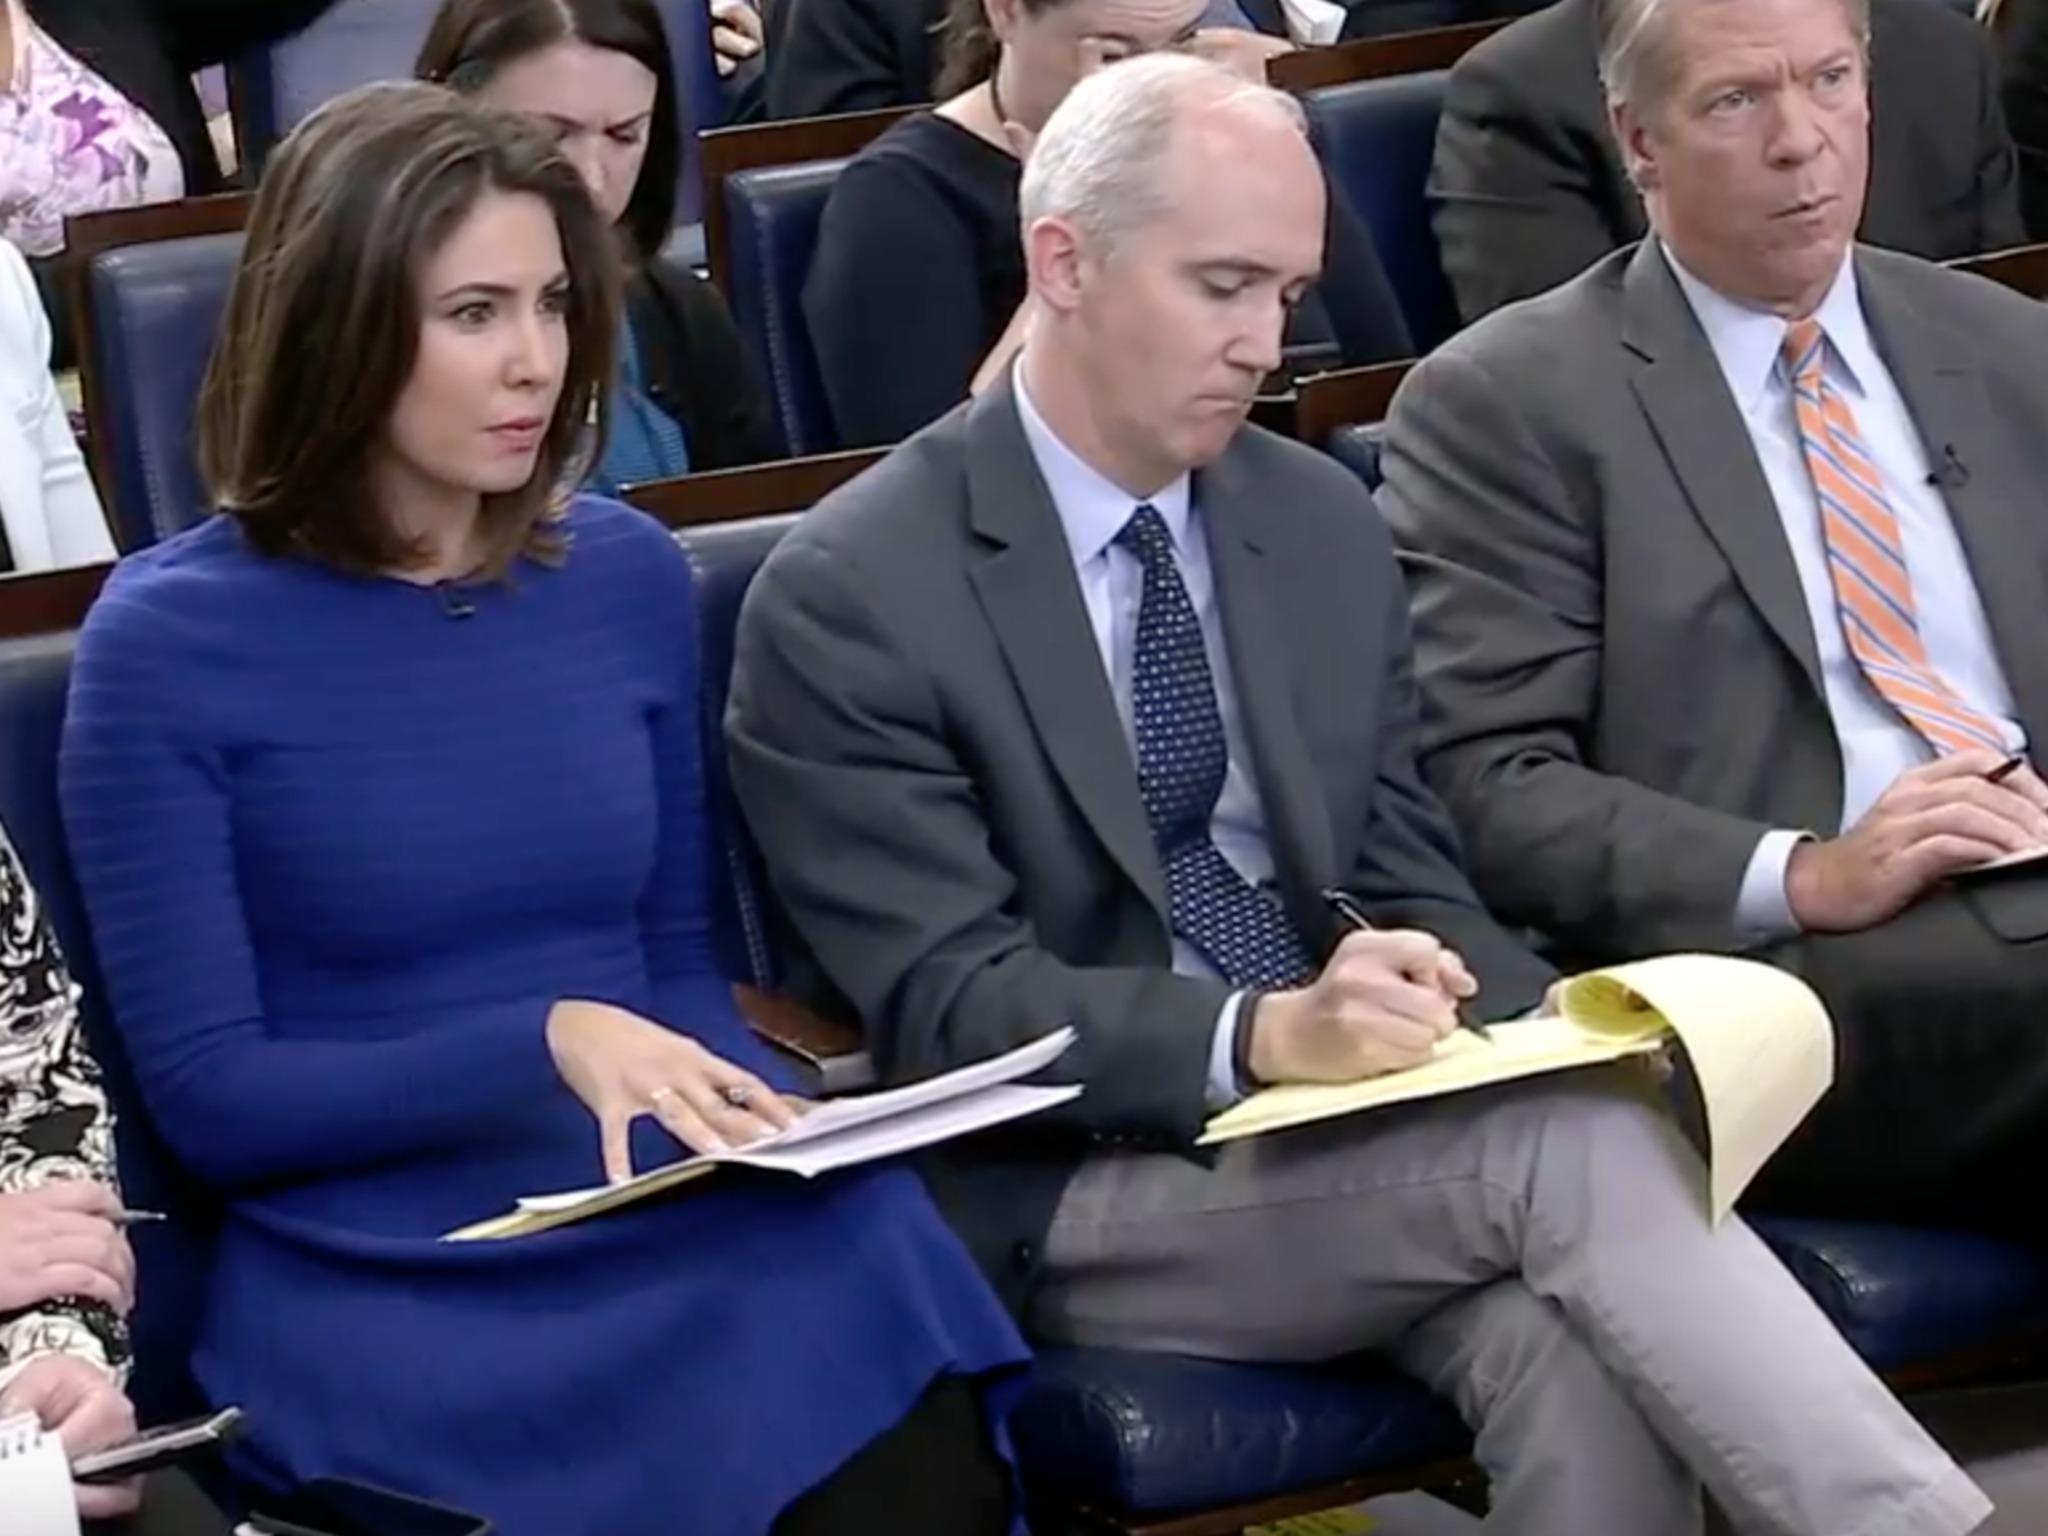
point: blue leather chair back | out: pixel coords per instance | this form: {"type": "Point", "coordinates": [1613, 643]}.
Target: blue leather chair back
{"type": "Point", "coordinates": [363, 40]}
{"type": "Point", "coordinates": [772, 216]}
{"type": "Point", "coordinates": [1377, 138]}
{"type": "Point", "coordinates": [1357, 448]}
{"type": "Point", "coordinates": [353, 43]}
{"type": "Point", "coordinates": [156, 310]}
{"type": "Point", "coordinates": [702, 93]}
{"type": "Point", "coordinates": [35, 675]}
{"type": "Point", "coordinates": [725, 557]}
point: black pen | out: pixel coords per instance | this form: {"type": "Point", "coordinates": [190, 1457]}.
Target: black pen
{"type": "Point", "coordinates": [1352, 916]}
{"type": "Point", "coordinates": [2006, 769]}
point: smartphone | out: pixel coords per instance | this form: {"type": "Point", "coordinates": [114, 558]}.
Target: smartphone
{"type": "Point", "coordinates": [155, 1448]}
{"type": "Point", "coordinates": [332, 1507]}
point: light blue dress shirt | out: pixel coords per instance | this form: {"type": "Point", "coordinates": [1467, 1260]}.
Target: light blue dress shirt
{"type": "Point", "coordinates": [1092, 511]}
{"type": "Point", "coordinates": [1876, 743]}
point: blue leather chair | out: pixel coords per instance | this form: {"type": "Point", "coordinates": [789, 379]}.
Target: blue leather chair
{"type": "Point", "coordinates": [364, 40]}
{"type": "Point", "coordinates": [1376, 137]}
{"type": "Point", "coordinates": [1923, 1304]}
{"type": "Point", "coordinates": [35, 673]}
{"type": "Point", "coordinates": [704, 98]}
{"type": "Point", "coordinates": [772, 217]}
{"type": "Point", "coordinates": [155, 312]}
{"type": "Point", "coordinates": [352, 44]}
{"type": "Point", "coordinates": [1357, 448]}
{"type": "Point", "coordinates": [724, 557]}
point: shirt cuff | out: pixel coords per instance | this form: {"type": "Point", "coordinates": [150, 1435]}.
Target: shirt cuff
{"type": "Point", "coordinates": [1763, 911]}
{"type": "Point", "coordinates": [1223, 1055]}
{"type": "Point", "coordinates": [33, 1335]}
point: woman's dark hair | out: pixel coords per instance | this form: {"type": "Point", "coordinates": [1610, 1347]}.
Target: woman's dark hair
{"type": "Point", "coordinates": [323, 323]}
{"type": "Point", "coordinates": [968, 48]}
{"type": "Point", "coordinates": [471, 40]}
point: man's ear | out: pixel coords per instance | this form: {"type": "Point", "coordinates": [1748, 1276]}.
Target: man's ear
{"type": "Point", "coordinates": [1638, 152]}
{"type": "Point", "coordinates": [1055, 255]}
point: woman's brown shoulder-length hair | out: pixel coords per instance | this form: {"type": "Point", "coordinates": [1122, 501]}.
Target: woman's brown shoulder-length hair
{"type": "Point", "coordinates": [323, 323]}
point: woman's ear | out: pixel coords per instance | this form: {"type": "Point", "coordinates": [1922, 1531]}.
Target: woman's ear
{"type": "Point", "coordinates": [1002, 17]}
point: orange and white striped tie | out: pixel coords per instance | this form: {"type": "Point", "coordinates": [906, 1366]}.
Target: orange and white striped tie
{"type": "Point", "coordinates": [1867, 560]}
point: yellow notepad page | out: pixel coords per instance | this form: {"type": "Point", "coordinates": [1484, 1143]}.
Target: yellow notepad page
{"type": "Point", "coordinates": [1759, 1041]}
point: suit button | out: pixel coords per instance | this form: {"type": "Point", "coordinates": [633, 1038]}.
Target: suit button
{"type": "Point", "coordinates": [1023, 1256]}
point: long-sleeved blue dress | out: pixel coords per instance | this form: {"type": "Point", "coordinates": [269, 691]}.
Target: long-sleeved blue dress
{"type": "Point", "coordinates": [342, 849]}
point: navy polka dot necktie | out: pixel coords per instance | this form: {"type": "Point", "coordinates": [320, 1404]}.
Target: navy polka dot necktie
{"type": "Point", "coordinates": [1182, 759]}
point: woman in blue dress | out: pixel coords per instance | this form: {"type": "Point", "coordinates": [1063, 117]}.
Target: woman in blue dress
{"type": "Point", "coordinates": [384, 787]}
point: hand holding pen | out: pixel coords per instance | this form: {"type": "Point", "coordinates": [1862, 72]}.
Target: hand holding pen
{"type": "Point", "coordinates": [1352, 916]}
{"type": "Point", "coordinates": [1935, 820]}
{"type": "Point", "coordinates": [1385, 1000]}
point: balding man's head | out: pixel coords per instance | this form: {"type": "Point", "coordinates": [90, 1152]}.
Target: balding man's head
{"type": "Point", "coordinates": [1104, 160]}
{"type": "Point", "coordinates": [1173, 215]}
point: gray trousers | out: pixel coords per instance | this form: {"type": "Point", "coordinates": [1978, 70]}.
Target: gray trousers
{"type": "Point", "coordinates": [1540, 1255]}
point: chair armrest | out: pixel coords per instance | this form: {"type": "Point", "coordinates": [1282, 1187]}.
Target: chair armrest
{"type": "Point", "coordinates": [829, 1052]}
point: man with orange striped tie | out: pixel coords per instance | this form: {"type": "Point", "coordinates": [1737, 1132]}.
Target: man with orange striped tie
{"type": "Point", "coordinates": [1730, 563]}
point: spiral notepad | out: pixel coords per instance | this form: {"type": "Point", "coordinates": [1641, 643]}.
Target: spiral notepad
{"type": "Point", "coordinates": [35, 1482]}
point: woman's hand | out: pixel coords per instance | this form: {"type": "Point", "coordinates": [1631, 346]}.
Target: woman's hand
{"type": "Point", "coordinates": [1241, 51]}
{"type": "Point", "coordinates": [60, 1240]}
{"type": "Point", "coordinates": [85, 1408]}
{"type": "Point", "coordinates": [735, 34]}
{"type": "Point", "coordinates": [623, 1066]}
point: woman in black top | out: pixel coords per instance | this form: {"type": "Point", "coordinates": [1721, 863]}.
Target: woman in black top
{"type": "Point", "coordinates": [914, 295]}
{"type": "Point", "coordinates": [830, 56]}
{"type": "Point", "coordinates": [598, 73]}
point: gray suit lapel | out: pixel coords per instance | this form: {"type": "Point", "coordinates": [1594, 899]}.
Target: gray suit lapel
{"type": "Point", "coordinates": [1250, 594]}
{"type": "Point", "coordinates": [1951, 405]}
{"type": "Point", "coordinates": [1678, 382]}
{"type": "Point", "coordinates": [1025, 580]}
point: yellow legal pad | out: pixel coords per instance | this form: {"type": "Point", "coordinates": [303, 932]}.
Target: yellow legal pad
{"type": "Point", "coordinates": [1328, 1522]}
{"type": "Point", "coordinates": [1759, 1040]}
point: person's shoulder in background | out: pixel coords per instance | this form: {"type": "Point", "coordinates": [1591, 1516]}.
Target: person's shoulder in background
{"type": "Point", "coordinates": [832, 56]}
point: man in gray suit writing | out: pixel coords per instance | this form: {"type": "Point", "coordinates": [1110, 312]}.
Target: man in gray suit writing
{"type": "Point", "coordinates": [1731, 580]}
{"type": "Point", "coordinates": [1068, 712]}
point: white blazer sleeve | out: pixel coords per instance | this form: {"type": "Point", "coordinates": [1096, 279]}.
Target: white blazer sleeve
{"type": "Point", "coordinates": [51, 512]}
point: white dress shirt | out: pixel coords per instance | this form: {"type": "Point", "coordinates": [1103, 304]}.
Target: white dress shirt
{"type": "Point", "coordinates": [47, 503]}
{"type": "Point", "coordinates": [1876, 743]}
{"type": "Point", "coordinates": [1092, 512]}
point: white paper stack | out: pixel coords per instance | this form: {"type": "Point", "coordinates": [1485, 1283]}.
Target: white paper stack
{"type": "Point", "coordinates": [35, 1481]}
{"type": "Point", "coordinates": [839, 1133]}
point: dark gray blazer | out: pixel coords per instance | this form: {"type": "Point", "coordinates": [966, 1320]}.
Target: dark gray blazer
{"type": "Point", "coordinates": [1621, 691]}
{"type": "Point", "coordinates": [929, 755]}
{"type": "Point", "coordinates": [1527, 188]}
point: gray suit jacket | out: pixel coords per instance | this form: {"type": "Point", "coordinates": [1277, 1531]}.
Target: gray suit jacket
{"type": "Point", "coordinates": [1527, 187]}
{"type": "Point", "coordinates": [1621, 691]}
{"type": "Point", "coordinates": [928, 753]}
